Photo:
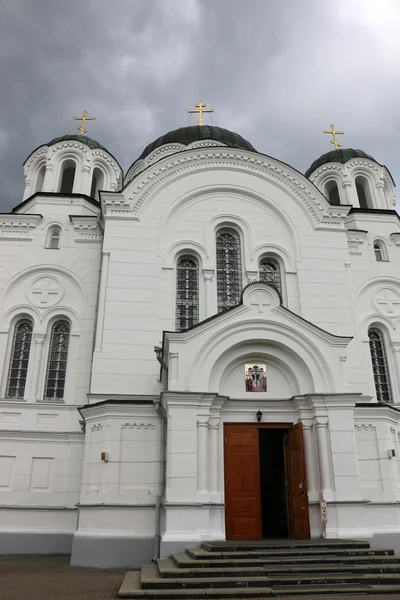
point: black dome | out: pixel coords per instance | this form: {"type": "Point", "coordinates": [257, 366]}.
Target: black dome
{"type": "Point", "coordinates": [78, 138]}
{"type": "Point", "coordinates": [341, 156]}
{"type": "Point", "coordinates": [187, 135]}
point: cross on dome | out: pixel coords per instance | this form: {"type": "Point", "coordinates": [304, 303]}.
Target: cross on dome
{"type": "Point", "coordinates": [83, 118]}
{"type": "Point", "coordinates": [334, 133]}
{"type": "Point", "coordinates": [200, 109]}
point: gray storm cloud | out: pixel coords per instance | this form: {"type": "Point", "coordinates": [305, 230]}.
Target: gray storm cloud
{"type": "Point", "coordinates": [277, 72]}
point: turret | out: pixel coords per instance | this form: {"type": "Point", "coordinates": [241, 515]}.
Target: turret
{"type": "Point", "coordinates": [72, 164]}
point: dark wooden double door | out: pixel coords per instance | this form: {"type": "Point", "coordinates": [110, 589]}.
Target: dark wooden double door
{"type": "Point", "coordinates": [249, 496]}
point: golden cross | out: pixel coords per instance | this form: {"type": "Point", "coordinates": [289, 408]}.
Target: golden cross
{"type": "Point", "coordinates": [83, 118]}
{"type": "Point", "coordinates": [334, 133]}
{"type": "Point", "coordinates": [201, 108]}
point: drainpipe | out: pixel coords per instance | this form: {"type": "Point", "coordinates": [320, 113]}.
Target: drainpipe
{"type": "Point", "coordinates": [157, 537]}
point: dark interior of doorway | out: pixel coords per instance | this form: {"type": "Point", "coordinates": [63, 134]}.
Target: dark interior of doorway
{"type": "Point", "coordinates": [273, 483]}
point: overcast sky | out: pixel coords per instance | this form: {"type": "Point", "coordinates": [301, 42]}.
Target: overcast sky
{"type": "Point", "coordinates": [276, 71]}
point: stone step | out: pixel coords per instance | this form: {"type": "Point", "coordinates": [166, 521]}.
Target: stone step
{"type": "Point", "coordinates": [131, 589]}
{"type": "Point", "coordinates": [185, 561]}
{"type": "Point", "coordinates": [167, 568]}
{"type": "Point", "coordinates": [151, 580]}
{"type": "Point", "coordinates": [241, 546]}
{"type": "Point", "coordinates": [201, 553]}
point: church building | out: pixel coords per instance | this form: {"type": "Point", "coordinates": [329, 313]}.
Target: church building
{"type": "Point", "coordinates": [206, 347]}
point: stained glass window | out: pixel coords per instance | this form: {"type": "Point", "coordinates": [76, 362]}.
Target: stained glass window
{"type": "Point", "coordinates": [57, 361]}
{"type": "Point", "coordinates": [270, 272]}
{"type": "Point", "coordinates": [19, 360]}
{"type": "Point", "coordinates": [379, 365]}
{"type": "Point", "coordinates": [187, 293]}
{"type": "Point", "coordinates": [229, 269]}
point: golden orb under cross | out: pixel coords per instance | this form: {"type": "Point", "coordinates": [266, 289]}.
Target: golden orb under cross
{"type": "Point", "coordinates": [200, 109]}
{"type": "Point", "coordinates": [83, 118]}
{"type": "Point", "coordinates": [334, 133]}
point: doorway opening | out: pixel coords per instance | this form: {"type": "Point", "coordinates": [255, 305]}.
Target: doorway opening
{"type": "Point", "coordinates": [265, 482]}
{"type": "Point", "coordinates": [273, 483]}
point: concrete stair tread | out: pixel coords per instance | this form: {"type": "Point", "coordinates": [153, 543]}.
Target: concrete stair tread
{"type": "Point", "coordinates": [185, 561]}
{"type": "Point", "coordinates": [266, 544]}
{"type": "Point", "coordinates": [230, 594]}
{"type": "Point", "coordinates": [201, 552]}
{"type": "Point", "coordinates": [167, 570]}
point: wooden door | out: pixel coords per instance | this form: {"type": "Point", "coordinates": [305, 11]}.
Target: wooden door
{"type": "Point", "coordinates": [299, 521]}
{"type": "Point", "coordinates": [242, 483]}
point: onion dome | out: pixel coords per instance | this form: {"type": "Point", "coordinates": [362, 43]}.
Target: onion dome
{"type": "Point", "coordinates": [188, 135]}
{"type": "Point", "coordinates": [340, 155]}
{"type": "Point", "coordinates": [78, 138]}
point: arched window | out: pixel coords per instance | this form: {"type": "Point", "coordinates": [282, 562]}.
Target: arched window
{"type": "Point", "coordinates": [19, 359]}
{"type": "Point", "coordinates": [379, 365]}
{"type": "Point", "coordinates": [67, 177]}
{"type": "Point", "coordinates": [187, 293]}
{"type": "Point", "coordinates": [229, 269]}
{"type": "Point", "coordinates": [57, 361]}
{"type": "Point", "coordinates": [378, 252]}
{"type": "Point", "coordinates": [53, 238]}
{"type": "Point", "coordinates": [40, 179]}
{"type": "Point", "coordinates": [270, 272]}
{"type": "Point", "coordinates": [363, 192]}
{"type": "Point", "coordinates": [97, 183]}
{"type": "Point", "coordinates": [332, 192]}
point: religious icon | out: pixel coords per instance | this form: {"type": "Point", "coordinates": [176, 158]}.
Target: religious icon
{"type": "Point", "coordinates": [256, 378]}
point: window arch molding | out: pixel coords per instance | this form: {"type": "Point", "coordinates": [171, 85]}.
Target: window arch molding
{"type": "Point", "coordinates": [186, 247]}
{"type": "Point", "coordinates": [281, 285]}
{"type": "Point", "coordinates": [392, 377]}
{"type": "Point", "coordinates": [383, 250]}
{"type": "Point", "coordinates": [54, 232]}
{"type": "Point", "coordinates": [237, 224]}
{"type": "Point", "coordinates": [368, 178]}
{"type": "Point", "coordinates": [64, 157]}
{"type": "Point", "coordinates": [18, 317]}
{"type": "Point", "coordinates": [107, 171]}
{"type": "Point", "coordinates": [277, 252]}
{"type": "Point", "coordinates": [40, 174]}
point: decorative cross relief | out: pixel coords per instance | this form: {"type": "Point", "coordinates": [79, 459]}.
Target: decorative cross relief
{"type": "Point", "coordinates": [260, 300]}
{"type": "Point", "coordinates": [388, 301]}
{"type": "Point", "coordinates": [45, 291]}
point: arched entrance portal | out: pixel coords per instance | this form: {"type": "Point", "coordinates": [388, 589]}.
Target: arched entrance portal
{"type": "Point", "coordinates": [265, 482]}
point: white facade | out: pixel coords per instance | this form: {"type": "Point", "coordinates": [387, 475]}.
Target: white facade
{"type": "Point", "coordinates": [133, 450]}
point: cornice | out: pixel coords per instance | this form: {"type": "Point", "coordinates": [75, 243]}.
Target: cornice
{"type": "Point", "coordinates": [322, 215]}
{"type": "Point", "coordinates": [18, 226]}
{"type": "Point", "coordinates": [355, 240]}
{"type": "Point", "coordinates": [88, 229]}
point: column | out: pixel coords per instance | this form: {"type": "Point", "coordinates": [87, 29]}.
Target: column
{"type": "Point", "coordinates": [213, 459]}
{"type": "Point", "coordinates": [324, 466]}
{"type": "Point", "coordinates": [37, 367]}
{"type": "Point", "coordinates": [210, 309]}
{"type": "Point", "coordinates": [202, 435]}
{"type": "Point", "coordinates": [348, 192]}
{"type": "Point", "coordinates": [310, 463]}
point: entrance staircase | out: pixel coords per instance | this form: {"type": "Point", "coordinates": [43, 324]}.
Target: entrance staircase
{"type": "Point", "coordinates": [267, 569]}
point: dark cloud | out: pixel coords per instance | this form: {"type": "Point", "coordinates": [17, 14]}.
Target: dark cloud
{"type": "Point", "coordinates": [276, 72]}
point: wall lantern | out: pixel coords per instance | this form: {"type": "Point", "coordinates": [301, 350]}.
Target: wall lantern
{"type": "Point", "coordinates": [259, 415]}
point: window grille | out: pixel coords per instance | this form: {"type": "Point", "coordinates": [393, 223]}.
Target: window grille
{"type": "Point", "coordinates": [378, 252]}
{"type": "Point", "coordinates": [19, 360]}
{"type": "Point", "coordinates": [229, 269]}
{"type": "Point", "coordinates": [379, 365]}
{"type": "Point", "coordinates": [187, 293]}
{"type": "Point", "coordinates": [57, 361]}
{"type": "Point", "coordinates": [270, 272]}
